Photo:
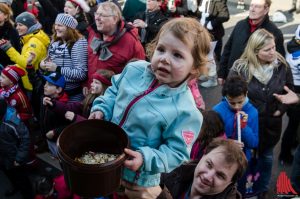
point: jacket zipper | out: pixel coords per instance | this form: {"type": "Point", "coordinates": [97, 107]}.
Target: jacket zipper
{"type": "Point", "coordinates": [152, 87]}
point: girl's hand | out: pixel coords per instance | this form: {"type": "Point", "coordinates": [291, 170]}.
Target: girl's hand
{"type": "Point", "coordinates": [47, 101]}
{"type": "Point", "coordinates": [70, 115]}
{"type": "Point", "coordinates": [135, 160]}
{"type": "Point", "coordinates": [16, 164]}
{"type": "Point", "coordinates": [133, 191]}
{"type": "Point", "coordinates": [96, 115]}
{"type": "Point", "coordinates": [31, 57]}
{"type": "Point", "coordinates": [50, 134]}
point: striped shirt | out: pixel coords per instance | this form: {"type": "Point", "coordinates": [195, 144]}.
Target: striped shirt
{"type": "Point", "coordinates": [73, 65]}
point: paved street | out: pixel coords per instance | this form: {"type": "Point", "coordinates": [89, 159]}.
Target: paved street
{"type": "Point", "coordinates": [211, 95]}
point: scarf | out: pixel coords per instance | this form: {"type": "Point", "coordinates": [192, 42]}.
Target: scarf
{"type": "Point", "coordinates": [100, 46]}
{"type": "Point", "coordinates": [264, 73]}
{"type": "Point", "coordinates": [6, 93]}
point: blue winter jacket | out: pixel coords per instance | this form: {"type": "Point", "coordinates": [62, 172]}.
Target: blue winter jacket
{"type": "Point", "coordinates": [162, 124]}
{"type": "Point", "coordinates": [249, 134]}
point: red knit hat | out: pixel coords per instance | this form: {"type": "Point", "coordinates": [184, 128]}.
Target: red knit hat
{"type": "Point", "coordinates": [13, 73]}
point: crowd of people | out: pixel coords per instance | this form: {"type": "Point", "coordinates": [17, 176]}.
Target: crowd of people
{"type": "Point", "coordinates": [138, 66]}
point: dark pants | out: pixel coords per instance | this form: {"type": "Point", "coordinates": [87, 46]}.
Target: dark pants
{"type": "Point", "coordinates": [20, 181]}
{"type": "Point", "coordinates": [289, 136]}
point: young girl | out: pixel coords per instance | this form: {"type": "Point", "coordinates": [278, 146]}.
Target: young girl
{"type": "Point", "coordinates": [212, 127]}
{"type": "Point", "coordinates": [101, 81]}
{"type": "Point", "coordinates": [153, 104]}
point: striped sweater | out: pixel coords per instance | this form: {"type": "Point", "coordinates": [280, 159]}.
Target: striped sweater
{"type": "Point", "coordinates": [72, 64]}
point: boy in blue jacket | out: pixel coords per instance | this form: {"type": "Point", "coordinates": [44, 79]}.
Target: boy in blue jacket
{"type": "Point", "coordinates": [235, 101]}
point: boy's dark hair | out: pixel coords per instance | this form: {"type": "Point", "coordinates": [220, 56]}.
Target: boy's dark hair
{"type": "Point", "coordinates": [235, 86]}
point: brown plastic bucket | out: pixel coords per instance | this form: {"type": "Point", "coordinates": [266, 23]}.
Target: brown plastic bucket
{"type": "Point", "coordinates": [98, 136]}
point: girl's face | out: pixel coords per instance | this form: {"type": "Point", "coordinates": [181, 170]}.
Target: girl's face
{"type": "Point", "coordinates": [96, 87]}
{"type": "Point", "coordinates": [3, 18]}
{"type": "Point", "coordinates": [268, 53]}
{"type": "Point", "coordinates": [70, 9]}
{"type": "Point", "coordinates": [22, 29]}
{"type": "Point", "coordinates": [5, 81]}
{"type": "Point", "coordinates": [61, 30]}
{"type": "Point", "coordinates": [172, 61]}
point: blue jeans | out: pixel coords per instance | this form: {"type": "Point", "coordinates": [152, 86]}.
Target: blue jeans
{"type": "Point", "coordinates": [264, 163]}
{"type": "Point", "coordinates": [295, 175]}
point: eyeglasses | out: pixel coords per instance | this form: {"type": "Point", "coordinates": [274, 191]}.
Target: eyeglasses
{"type": "Point", "coordinates": [101, 15]}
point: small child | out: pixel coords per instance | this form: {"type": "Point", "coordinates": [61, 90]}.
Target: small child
{"type": "Point", "coordinates": [13, 94]}
{"type": "Point", "coordinates": [14, 150]}
{"type": "Point", "coordinates": [51, 123]}
{"type": "Point", "coordinates": [101, 80]}
{"type": "Point", "coordinates": [153, 104]}
{"type": "Point", "coordinates": [234, 102]}
{"type": "Point", "coordinates": [212, 127]}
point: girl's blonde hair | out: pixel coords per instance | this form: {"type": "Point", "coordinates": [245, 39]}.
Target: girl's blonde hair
{"type": "Point", "coordinates": [189, 31]}
{"type": "Point", "coordinates": [249, 59]}
{"type": "Point", "coordinates": [5, 9]}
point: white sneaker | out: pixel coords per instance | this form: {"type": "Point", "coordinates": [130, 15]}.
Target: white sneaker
{"type": "Point", "coordinates": [209, 83]}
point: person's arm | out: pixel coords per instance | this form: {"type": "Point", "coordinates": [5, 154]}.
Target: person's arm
{"type": "Point", "coordinates": [279, 42]}
{"type": "Point", "coordinates": [21, 58]}
{"type": "Point", "coordinates": [290, 98]}
{"type": "Point", "coordinates": [50, 8]}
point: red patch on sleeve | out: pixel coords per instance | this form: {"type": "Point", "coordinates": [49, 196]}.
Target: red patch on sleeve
{"type": "Point", "coordinates": [188, 137]}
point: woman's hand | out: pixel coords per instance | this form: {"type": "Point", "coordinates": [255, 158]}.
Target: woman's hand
{"type": "Point", "coordinates": [50, 66]}
{"type": "Point", "coordinates": [135, 160]}
{"type": "Point", "coordinates": [133, 191]}
{"type": "Point", "coordinates": [289, 98]}
{"type": "Point", "coordinates": [96, 115]}
{"type": "Point", "coordinates": [31, 57]}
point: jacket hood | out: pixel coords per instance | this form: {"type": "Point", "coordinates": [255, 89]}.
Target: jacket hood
{"type": "Point", "coordinates": [39, 34]}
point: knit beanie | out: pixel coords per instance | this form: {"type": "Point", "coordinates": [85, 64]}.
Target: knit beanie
{"type": "Point", "coordinates": [27, 19]}
{"type": "Point", "coordinates": [8, 2]}
{"type": "Point", "coordinates": [67, 20]}
{"type": "Point", "coordinates": [3, 107]}
{"type": "Point", "coordinates": [13, 73]}
{"type": "Point", "coordinates": [82, 4]}
{"type": "Point", "coordinates": [101, 78]}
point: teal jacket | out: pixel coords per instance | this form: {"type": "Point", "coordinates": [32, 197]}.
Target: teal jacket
{"type": "Point", "coordinates": [161, 122]}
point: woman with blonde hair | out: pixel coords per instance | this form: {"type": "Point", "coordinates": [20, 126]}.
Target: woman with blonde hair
{"type": "Point", "coordinates": [8, 32]}
{"type": "Point", "coordinates": [266, 72]}
{"type": "Point", "coordinates": [67, 54]}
